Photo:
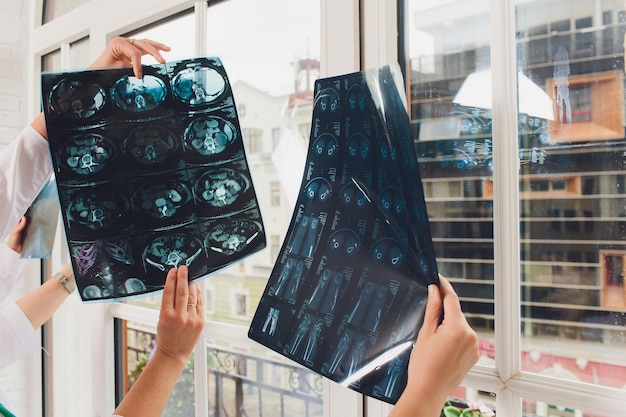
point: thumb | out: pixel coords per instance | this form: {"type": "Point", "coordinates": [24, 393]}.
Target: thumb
{"type": "Point", "coordinates": [432, 316]}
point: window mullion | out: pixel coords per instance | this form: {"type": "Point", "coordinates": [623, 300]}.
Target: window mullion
{"type": "Point", "coordinates": [506, 199]}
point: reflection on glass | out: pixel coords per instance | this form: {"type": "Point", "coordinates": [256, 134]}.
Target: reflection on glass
{"type": "Point", "coordinates": [451, 123]}
{"type": "Point", "coordinates": [572, 194]}
{"type": "Point", "coordinates": [572, 174]}
{"type": "Point", "coordinates": [55, 8]}
{"type": "Point", "coordinates": [532, 408]}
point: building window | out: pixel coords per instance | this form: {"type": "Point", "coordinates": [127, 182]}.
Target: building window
{"type": "Point", "coordinates": [253, 139]}
{"type": "Point", "coordinates": [276, 132]}
{"type": "Point", "coordinates": [613, 270]}
{"type": "Point", "coordinates": [275, 190]}
{"type": "Point", "coordinates": [239, 303]}
{"type": "Point", "coordinates": [274, 247]}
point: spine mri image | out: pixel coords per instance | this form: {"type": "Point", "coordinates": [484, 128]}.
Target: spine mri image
{"type": "Point", "coordinates": [346, 296]}
{"type": "Point", "coordinates": [151, 174]}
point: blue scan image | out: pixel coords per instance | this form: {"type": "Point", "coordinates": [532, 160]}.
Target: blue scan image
{"type": "Point", "coordinates": [172, 251]}
{"type": "Point", "coordinates": [388, 251]}
{"type": "Point", "coordinates": [138, 95]}
{"type": "Point", "coordinates": [326, 146]}
{"type": "Point", "coordinates": [220, 187]}
{"type": "Point", "coordinates": [353, 196]}
{"type": "Point", "coordinates": [209, 135]}
{"type": "Point", "coordinates": [96, 211]}
{"type": "Point", "coordinates": [327, 101]}
{"type": "Point", "coordinates": [77, 99]}
{"type": "Point", "coordinates": [161, 199]}
{"type": "Point", "coordinates": [233, 236]}
{"type": "Point", "coordinates": [86, 154]}
{"type": "Point", "coordinates": [358, 146]}
{"type": "Point", "coordinates": [149, 144]}
{"type": "Point", "coordinates": [392, 201]}
{"type": "Point", "coordinates": [198, 85]}
{"type": "Point", "coordinates": [318, 189]}
{"type": "Point", "coordinates": [344, 242]}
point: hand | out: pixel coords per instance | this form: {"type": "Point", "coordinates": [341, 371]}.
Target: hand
{"type": "Point", "coordinates": [123, 52]}
{"type": "Point", "coordinates": [119, 52]}
{"type": "Point", "coordinates": [443, 354]}
{"type": "Point", "coordinates": [15, 240]}
{"type": "Point", "coordinates": [182, 316]}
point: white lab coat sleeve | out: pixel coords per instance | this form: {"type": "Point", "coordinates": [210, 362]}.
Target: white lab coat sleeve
{"type": "Point", "coordinates": [12, 267]}
{"type": "Point", "coordinates": [17, 336]}
{"type": "Point", "coordinates": [25, 166]}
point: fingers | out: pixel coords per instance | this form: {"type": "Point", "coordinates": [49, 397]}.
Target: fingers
{"type": "Point", "coordinates": [140, 47]}
{"type": "Point", "coordinates": [128, 52]}
{"type": "Point", "coordinates": [182, 289]}
{"type": "Point", "coordinates": [169, 291]}
{"type": "Point", "coordinates": [451, 303]}
{"type": "Point", "coordinates": [432, 315]}
{"type": "Point", "coordinates": [17, 235]}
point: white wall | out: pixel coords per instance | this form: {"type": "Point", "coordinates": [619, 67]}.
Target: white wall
{"type": "Point", "coordinates": [18, 379]}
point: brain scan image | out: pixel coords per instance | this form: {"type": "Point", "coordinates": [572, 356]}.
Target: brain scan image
{"type": "Point", "coordinates": [87, 154]}
{"type": "Point", "coordinates": [210, 135]}
{"type": "Point", "coordinates": [327, 101]}
{"type": "Point", "coordinates": [198, 85]}
{"type": "Point", "coordinates": [388, 251]}
{"type": "Point", "coordinates": [356, 99]}
{"type": "Point", "coordinates": [149, 144]}
{"type": "Point", "coordinates": [353, 196]}
{"type": "Point", "coordinates": [161, 199]}
{"type": "Point", "coordinates": [77, 99]}
{"type": "Point", "coordinates": [172, 251]}
{"type": "Point", "coordinates": [220, 187]}
{"type": "Point", "coordinates": [325, 146]}
{"type": "Point", "coordinates": [318, 189]}
{"type": "Point", "coordinates": [358, 146]}
{"type": "Point", "coordinates": [391, 200]}
{"type": "Point", "coordinates": [386, 151]}
{"type": "Point", "coordinates": [138, 95]}
{"type": "Point", "coordinates": [233, 236]}
{"type": "Point", "coordinates": [344, 242]}
{"type": "Point", "coordinates": [96, 211]}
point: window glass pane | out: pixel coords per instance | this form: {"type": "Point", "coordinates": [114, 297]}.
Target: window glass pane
{"type": "Point", "coordinates": [79, 54]}
{"type": "Point", "coordinates": [140, 345]}
{"type": "Point", "coordinates": [55, 8]}
{"type": "Point", "coordinates": [571, 145]}
{"type": "Point", "coordinates": [448, 46]}
{"type": "Point", "coordinates": [272, 77]}
{"type": "Point", "coordinates": [250, 385]}
{"type": "Point", "coordinates": [532, 408]}
{"type": "Point", "coordinates": [51, 61]}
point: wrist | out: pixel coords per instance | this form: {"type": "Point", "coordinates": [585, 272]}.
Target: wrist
{"type": "Point", "coordinates": [67, 282]}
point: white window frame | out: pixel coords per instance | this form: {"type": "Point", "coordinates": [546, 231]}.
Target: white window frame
{"type": "Point", "coordinates": [355, 34]}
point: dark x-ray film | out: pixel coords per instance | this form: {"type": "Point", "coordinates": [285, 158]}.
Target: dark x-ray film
{"type": "Point", "coordinates": [347, 294]}
{"type": "Point", "coordinates": [151, 174]}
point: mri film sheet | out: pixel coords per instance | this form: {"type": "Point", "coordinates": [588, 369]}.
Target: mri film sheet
{"type": "Point", "coordinates": [151, 174]}
{"type": "Point", "coordinates": [346, 296]}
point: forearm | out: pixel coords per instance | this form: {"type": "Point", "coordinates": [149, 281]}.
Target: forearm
{"type": "Point", "coordinates": [417, 404]}
{"type": "Point", "coordinates": [40, 304]}
{"type": "Point", "coordinates": [149, 395]}
{"type": "Point", "coordinates": [39, 124]}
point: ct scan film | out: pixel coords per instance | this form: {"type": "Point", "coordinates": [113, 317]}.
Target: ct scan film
{"type": "Point", "coordinates": [347, 294]}
{"type": "Point", "coordinates": [151, 174]}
